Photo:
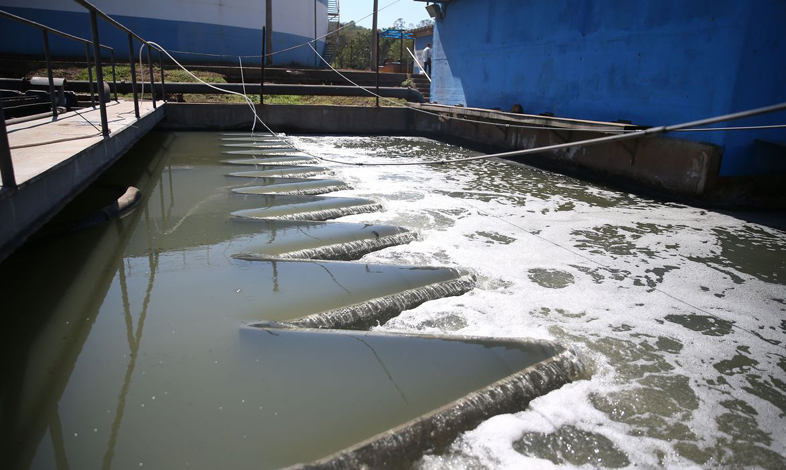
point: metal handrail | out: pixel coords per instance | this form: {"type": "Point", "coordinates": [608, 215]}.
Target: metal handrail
{"type": "Point", "coordinates": [95, 12]}
{"type": "Point", "coordinates": [6, 164]}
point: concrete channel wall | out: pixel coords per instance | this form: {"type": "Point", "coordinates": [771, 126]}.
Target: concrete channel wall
{"type": "Point", "coordinates": [355, 120]}
{"type": "Point", "coordinates": [662, 165]}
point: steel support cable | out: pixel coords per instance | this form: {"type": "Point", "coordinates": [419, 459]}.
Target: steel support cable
{"type": "Point", "coordinates": [737, 128]}
{"type": "Point", "coordinates": [599, 140]}
{"type": "Point", "coordinates": [245, 97]}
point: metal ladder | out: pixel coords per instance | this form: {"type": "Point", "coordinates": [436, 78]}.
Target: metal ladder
{"type": "Point", "coordinates": [331, 41]}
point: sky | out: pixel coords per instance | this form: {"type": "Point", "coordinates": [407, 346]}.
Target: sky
{"type": "Point", "coordinates": [410, 10]}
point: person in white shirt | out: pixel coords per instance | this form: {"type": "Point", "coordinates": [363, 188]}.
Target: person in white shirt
{"type": "Point", "coordinates": [427, 59]}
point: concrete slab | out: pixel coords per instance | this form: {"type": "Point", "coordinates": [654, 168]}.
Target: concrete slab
{"type": "Point", "coordinates": [55, 160]}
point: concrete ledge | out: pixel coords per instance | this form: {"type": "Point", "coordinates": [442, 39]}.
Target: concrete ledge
{"type": "Point", "coordinates": [659, 165]}
{"type": "Point", "coordinates": [666, 167]}
{"type": "Point", "coordinates": [24, 209]}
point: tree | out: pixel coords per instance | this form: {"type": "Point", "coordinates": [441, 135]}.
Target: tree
{"type": "Point", "coordinates": [354, 47]}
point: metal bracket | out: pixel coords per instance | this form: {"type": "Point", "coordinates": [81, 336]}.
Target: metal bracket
{"type": "Point", "coordinates": [632, 148]}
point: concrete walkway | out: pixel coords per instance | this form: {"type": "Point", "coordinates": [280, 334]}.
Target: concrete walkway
{"type": "Point", "coordinates": [83, 125]}
{"type": "Point", "coordinates": [55, 160]}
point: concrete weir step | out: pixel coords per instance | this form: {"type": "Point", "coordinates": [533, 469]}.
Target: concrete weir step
{"type": "Point", "coordinates": [287, 160]}
{"type": "Point", "coordinates": [266, 171]}
{"type": "Point", "coordinates": [293, 186]}
{"type": "Point", "coordinates": [258, 145]}
{"type": "Point", "coordinates": [417, 393]}
{"type": "Point", "coordinates": [268, 152]}
{"type": "Point", "coordinates": [293, 246]}
{"type": "Point", "coordinates": [309, 208]}
{"type": "Point", "coordinates": [316, 240]}
{"type": "Point", "coordinates": [249, 134]}
{"type": "Point", "coordinates": [266, 138]}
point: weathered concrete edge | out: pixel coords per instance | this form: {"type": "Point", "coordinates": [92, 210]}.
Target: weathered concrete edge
{"type": "Point", "coordinates": [404, 445]}
{"type": "Point", "coordinates": [659, 166]}
{"type": "Point", "coordinates": [25, 209]}
{"type": "Point", "coordinates": [354, 120]}
{"type": "Point", "coordinates": [653, 165]}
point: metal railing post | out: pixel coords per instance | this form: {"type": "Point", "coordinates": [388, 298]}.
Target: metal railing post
{"type": "Point", "coordinates": [99, 73]}
{"type": "Point", "coordinates": [375, 46]}
{"type": "Point", "coordinates": [264, 59]}
{"type": "Point", "coordinates": [133, 73]}
{"type": "Point", "coordinates": [49, 75]}
{"type": "Point", "coordinates": [6, 165]}
{"type": "Point", "coordinates": [90, 75]}
{"type": "Point", "coordinates": [152, 77]}
{"type": "Point", "coordinates": [316, 61]}
{"type": "Point", "coordinates": [161, 63]}
{"type": "Point", "coordinates": [114, 74]}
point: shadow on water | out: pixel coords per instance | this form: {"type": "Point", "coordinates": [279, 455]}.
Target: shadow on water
{"type": "Point", "coordinates": [45, 334]}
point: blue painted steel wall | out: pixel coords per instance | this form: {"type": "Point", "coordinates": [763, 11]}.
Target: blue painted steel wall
{"type": "Point", "coordinates": [16, 38]}
{"type": "Point", "coordinates": [649, 61]}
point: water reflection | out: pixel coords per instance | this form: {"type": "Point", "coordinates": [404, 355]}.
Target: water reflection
{"type": "Point", "coordinates": [47, 334]}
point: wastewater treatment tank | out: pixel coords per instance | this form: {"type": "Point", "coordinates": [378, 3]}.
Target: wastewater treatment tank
{"type": "Point", "coordinates": [262, 307]}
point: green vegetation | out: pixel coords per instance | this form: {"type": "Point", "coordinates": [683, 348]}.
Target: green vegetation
{"type": "Point", "coordinates": [354, 46]}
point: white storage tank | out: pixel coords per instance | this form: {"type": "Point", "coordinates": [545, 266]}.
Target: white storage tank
{"type": "Point", "coordinates": [227, 27]}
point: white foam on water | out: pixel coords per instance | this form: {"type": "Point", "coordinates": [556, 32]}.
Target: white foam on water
{"type": "Point", "coordinates": [676, 318]}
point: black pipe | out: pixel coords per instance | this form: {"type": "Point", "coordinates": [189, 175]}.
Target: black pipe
{"type": "Point", "coordinates": [81, 86]}
{"type": "Point", "coordinates": [409, 94]}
